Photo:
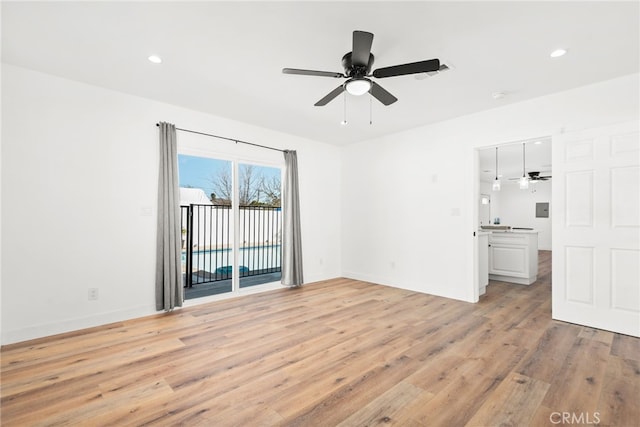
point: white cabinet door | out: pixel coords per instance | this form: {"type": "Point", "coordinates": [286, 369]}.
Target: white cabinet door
{"type": "Point", "coordinates": [509, 260]}
{"type": "Point", "coordinates": [596, 228]}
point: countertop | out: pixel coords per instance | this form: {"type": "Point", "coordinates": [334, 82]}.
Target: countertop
{"type": "Point", "coordinates": [512, 230]}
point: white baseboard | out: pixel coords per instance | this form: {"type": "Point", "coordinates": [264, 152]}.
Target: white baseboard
{"type": "Point", "coordinates": [70, 325]}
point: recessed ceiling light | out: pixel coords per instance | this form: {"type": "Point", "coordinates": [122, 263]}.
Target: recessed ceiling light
{"type": "Point", "coordinates": [155, 59]}
{"type": "Point", "coordinates": [498, 95]}
{"type": "Point", "coordinates": [538, 142]}
{"type": "Point", "coordinates": [558, 53]}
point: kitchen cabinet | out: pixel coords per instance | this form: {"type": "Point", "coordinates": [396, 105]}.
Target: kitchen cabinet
{"type": "Point", "coordinates": [513, 256]}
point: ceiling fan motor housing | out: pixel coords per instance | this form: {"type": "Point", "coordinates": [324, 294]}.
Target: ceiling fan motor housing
{"type": "Point", "coordinates": [356, 70]}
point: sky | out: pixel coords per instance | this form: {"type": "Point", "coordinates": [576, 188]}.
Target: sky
{"type": "Point", "coordinates": [196, 172]}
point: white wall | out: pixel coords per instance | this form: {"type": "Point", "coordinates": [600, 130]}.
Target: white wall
{"type": "Point", "coordinates": [517, 208]}
{"type": "Point", "coordinates": [485, 189]}
{"type": "Point", "coordinates": [410, 199]}
{"type": "Point", "coordinates": [79, 171]}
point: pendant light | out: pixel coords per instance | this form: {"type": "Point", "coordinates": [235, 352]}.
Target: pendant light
{"type": "Point", "coordinates": [496, 182]}
{"type": "Point", "coordinates": [524, 182]}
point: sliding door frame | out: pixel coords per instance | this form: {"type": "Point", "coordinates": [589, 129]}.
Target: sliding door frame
{"type": "Point", "coordinates": [237, 159]}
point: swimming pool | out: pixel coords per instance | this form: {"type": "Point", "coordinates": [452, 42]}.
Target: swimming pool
{"type": "Point", "coordinates": [254, 258]}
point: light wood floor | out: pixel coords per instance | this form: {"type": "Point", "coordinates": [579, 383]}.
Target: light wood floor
{"type": "Point", "coordinates": [340, 352]}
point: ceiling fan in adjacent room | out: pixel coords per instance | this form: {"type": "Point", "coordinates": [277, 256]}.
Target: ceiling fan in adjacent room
{"type": "Point", "coordinates": [357, 70]}
{"type": "Point", "coordinates": [535, 176]}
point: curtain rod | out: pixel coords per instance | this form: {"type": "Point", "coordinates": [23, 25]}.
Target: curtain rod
{"type": "Point", "coordinates": [229, 139]}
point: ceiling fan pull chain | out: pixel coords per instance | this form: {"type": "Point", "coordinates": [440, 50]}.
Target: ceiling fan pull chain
{"type": "Point", "coordinates": [370, 109]}
{"type": "Point", "coordinates": [344, 120]}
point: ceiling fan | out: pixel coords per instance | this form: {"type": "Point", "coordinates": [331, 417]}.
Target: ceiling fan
{"type": "Point", "coordinates": [535, 176]}
{"type": "Point", "coordinates": [357, 70]}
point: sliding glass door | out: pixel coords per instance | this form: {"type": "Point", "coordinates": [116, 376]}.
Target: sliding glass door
{"type": "Point", "coordinates": [231, 217]}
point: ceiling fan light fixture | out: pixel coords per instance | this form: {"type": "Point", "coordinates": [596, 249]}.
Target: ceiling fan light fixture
{"type": "Point", "coordinates": [524, 183]}
{"type": "Point", "coordinates": [358, 87]}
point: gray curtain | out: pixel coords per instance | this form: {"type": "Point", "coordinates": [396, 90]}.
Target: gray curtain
{"type": "Point", "coordinates": [291, 234]}
{"type": "Point", "coordinates": [168, 272]}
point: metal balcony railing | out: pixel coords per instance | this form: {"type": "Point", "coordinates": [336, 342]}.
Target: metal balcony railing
{"type": "Point", "coordinates": [207, 242]}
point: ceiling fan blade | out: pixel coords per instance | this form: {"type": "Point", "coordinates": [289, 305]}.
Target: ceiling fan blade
{"type": "Point", "coordinates": [324, 101]}
{"type": "Point", "coordinates": [362, 41]}
{"type": "Point", "coordinates": [312, 73]}
{"type": "Point", "coordinates": [536, 175]}
{"type": "Point", "coordinates": [381, 94]}
{"type": "Point", "coordinates": [404, 69]}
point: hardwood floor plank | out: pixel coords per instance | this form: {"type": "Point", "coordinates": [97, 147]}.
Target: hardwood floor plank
{"type": "Point", "coordinates": [456, 403]}
{"type": "Point", "coordinates": [320, 381]}
{"type": "Point", "coordinates": [383, 409]}
{"type": "Point", "coordinates": [439, 371]}
{"type": "Point", "coordinates": [625, 347]}
{"type": "Point", "coordinates": [576, 387]}
{"type": "Point", "coordinates": [596, 334]}
{"type": "Point", "coordinates": [61, 370]}
{"type": "Point", "coordinates": [513, 403]}
{"type": "Point", "coordinates": [545, 417]}
{"type": "Point", "coordinates": [353, 395]}
{"type": "Point", "coordinates": [619, 403]}
{"type": "Point", "coordinates": [548, 356]}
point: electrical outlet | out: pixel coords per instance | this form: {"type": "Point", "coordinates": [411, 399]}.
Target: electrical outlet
{"type": "Point", "coordinates": [93, 294]}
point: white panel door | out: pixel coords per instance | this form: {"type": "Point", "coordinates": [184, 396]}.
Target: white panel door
{"type": "Point", "coordinates": [596, 228]}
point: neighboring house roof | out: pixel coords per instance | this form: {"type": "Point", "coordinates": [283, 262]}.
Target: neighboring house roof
{"type": "Point", "coordinates": [193, 196]}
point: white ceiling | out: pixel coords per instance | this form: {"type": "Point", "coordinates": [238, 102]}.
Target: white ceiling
{"type": "Point", "coordinates": [226, 58]}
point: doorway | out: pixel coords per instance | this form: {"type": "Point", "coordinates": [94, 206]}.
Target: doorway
{"type": "Point", "coordinates": [514, 186]}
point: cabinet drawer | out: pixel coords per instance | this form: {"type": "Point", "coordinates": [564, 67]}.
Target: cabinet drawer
{"type": "Point", "coordinates": [509, 239]}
